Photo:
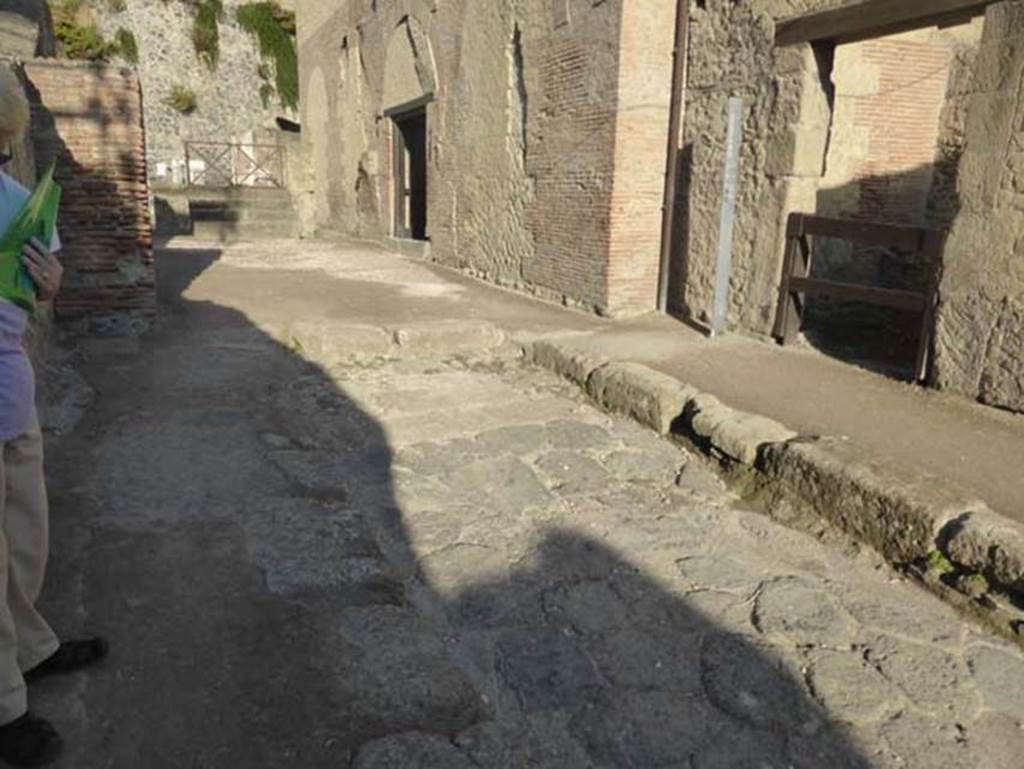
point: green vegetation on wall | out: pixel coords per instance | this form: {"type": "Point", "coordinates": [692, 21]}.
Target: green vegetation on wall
{"type": "Point", "coordinates": [182, 99]}
{"type": "Point", "coordinates": [124, 42]}
{"type": "Point", "coordinates": [274, 28]}
{"type": "Point", "coordinates": [206, 33]}
{"type": "Point", "coordinates": [80, 37]}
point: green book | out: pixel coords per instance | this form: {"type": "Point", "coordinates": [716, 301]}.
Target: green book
{"type": "Point", "coordinates": [37, 219]}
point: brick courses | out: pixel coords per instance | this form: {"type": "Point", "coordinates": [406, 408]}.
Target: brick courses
{"type": "Point", "coordinates": [88, 117]}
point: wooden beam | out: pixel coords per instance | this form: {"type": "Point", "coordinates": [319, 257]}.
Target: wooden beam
{"type": "Point", "coordinates": [884, 297]}
{"type": "Point", "coordinates": [875, 18]}
{"type": "Point", "coordinates": [867, 233]}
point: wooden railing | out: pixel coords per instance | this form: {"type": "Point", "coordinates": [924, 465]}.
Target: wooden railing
{"type": "Point", "coordinates": [234, 164]}
{"type": "Point", "coordinates": [797, 282]}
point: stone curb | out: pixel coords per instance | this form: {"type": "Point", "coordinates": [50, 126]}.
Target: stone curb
{"type": "Point", "coordinates": [906, 515]}
{"type": "Point", "coordinates": [328, 341]}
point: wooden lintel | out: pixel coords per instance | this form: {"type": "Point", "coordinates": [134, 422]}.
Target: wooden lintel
{"type": "Point", "coordinates": [875, 18]}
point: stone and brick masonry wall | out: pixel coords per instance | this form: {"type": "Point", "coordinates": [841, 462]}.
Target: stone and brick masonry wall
{"type": "Point", "coordinates": [89, 118]}
{"type": "Point", "coordinates": [547, 135]}
{"type": "Point", "coordinates": [980, 346]}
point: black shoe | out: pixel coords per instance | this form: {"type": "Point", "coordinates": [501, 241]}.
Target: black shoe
{"type": "Point", "coordinates": [70, 656]}
{"type": "Point", "coordinates": [29, 741]}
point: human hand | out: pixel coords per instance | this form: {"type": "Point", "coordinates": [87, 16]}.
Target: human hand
{"type": "Point", "coordinates": [45, 269]}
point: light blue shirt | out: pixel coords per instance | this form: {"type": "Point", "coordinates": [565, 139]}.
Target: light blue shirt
{"type": "Point", "coordinates": [17, 382]}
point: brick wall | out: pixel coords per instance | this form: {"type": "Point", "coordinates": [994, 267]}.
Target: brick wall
{"type": "Point", "coordinates": [889, 98]}
{"type": "Point", "coordinates": [89, 118]}
{"type": "Point", "coordinates": [571, 155]}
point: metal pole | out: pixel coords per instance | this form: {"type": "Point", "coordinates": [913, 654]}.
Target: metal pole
{"type": "Point", "coordinates": [723, 271]}
{"type": "Point", "coordinates": [677, 108]}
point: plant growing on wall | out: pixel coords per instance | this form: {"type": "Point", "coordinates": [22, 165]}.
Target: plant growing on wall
{"type": "Point", "coordinates": [274, 28]}
{"type": "Point", "coordinates": [181, 99]}
{"type": "Point", "coordinates": [80, 38]}
{"type": "Point", "coordinates": [206, 33]}
{"type": "Point", "coordinates": [126, 45]}
{"type": "Point", "coordinates": [77, 33]}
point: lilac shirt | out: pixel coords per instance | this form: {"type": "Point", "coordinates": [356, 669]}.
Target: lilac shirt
{"type": "Point", "coordinates": [17, 382]}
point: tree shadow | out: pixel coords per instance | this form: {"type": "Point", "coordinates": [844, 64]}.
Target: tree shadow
{"type": "Point", "coordinates": [240, 527]}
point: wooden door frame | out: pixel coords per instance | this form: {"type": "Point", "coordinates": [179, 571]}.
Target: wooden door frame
{"type": "Point", "coordinates": [397, 115]}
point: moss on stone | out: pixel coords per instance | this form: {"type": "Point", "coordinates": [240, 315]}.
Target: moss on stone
{"type": "Point", "coordinates": [77, 33]}
{"type": "Point", "coordinates": [206, 32]}
{"type": "Point", "coordinates": [274, 28]}
{"type": "Point", "coordinates": [126, 45]}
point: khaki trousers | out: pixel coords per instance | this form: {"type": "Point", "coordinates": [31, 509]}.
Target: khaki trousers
{"type": "Point", "coordinates": [25, 637]}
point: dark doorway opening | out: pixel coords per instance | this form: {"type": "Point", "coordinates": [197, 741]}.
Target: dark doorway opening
{"type": "Point", "coordinates": [410, 164]}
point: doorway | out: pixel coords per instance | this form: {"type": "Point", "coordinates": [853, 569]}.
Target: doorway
{"type": "Point", "coordinates": [410, 170]}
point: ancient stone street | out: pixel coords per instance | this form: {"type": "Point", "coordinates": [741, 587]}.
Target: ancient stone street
{"type": "Point", "coordinates": [451, 561]}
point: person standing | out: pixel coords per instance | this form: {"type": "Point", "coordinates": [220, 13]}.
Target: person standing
{"type": "Point", "coordinates": [29, 649]}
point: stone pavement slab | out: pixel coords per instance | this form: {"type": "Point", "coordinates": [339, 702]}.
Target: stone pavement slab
{"type": "Point", "coordinates": [461, 562]}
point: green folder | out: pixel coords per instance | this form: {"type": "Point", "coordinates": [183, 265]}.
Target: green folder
{"type": "Point", "coordinates": [37, 219]}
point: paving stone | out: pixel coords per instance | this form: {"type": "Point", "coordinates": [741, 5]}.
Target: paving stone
{"type": "Point", "coordinates": [923, 743]}
{"type": "Point", "coordinates": [402, 674]}
{"type": "Point", "coordinates": [717, 572]}
{"type": "Point", "coordinates": [546, 668]}
{"type": "Point", "coordinates": [642, 466]}
{"type": "Point", "coordinates": [575, 434]}
{"type": "Point", "coordinates": [654, 658]}
{"type": "Point", "coordinates": [569, 472]}
{"type": "Point", "coordinates": [505, 483]}
{"type": "Point", "coordinates": [749, 683]}
{"type": "Point", "coordinates": [999, 676]}
{"type": "Point", "coordinates": [850, 689]}
{"type": "Point", "coordinates": [698, 478]}
{"type": "Point", "coordinates": [588, 607]}
{"type": "Point", "coordinates": [996, 741]}
{"type": "Point", "coordinates": [646, 728]}
{"type": "Point", "coordinates": [517, 440]}
{"type": "Point", "coordinates": [459, 564]}
{"type": "Point", "coordinates": [535, 743]}
{"type": "Point", "coordinates": [744, 748]}
{"type": "Point", "coordinates": [804, 613]}
{"type": "Point", "coordinates": [412, 750]}
{"type": "Point", "coordinates": [437, 458]}
{"type": "Point", "coordinates": [932, 678]}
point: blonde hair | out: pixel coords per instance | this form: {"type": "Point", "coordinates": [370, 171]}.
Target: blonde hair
{"type": "Point", "coordinates": [14, 112]}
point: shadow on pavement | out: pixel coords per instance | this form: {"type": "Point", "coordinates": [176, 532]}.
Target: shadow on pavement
{"type": "Point", "coordinates": [229, 516]}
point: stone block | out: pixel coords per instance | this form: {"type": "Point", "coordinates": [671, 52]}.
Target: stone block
{"type": "Point", "coordinates": [986, 542]}
{"type": "Point", "coordinates": [740, 435]}
{"type": "Point", "coordinates": [563, 360]}
{"type": "Point", "coordinates": [898, 511]}
{"type": "Point", "coordinates": [999, 66]}
{"type": "Point", "coordinates": [797, 152]}
{"type": "Point", "coordinates": [19, 36]}
{"type": "Point", "coordinates": [652, 398]}
{"type": "Point", "coordinates": [448, 337]}
{"type": "Point", "coordinates": [328, 341]}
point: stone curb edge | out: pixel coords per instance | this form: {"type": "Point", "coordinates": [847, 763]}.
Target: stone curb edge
{"type": "Point", "coordinates": [328, 341]}
{"type": "Point", "coordinates": [918, 522]}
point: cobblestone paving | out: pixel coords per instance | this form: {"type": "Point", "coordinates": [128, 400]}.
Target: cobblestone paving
{"type": "Point", "coordinates": [463, 564]}
{"type": "Point", "coordinates": [610, 605]}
